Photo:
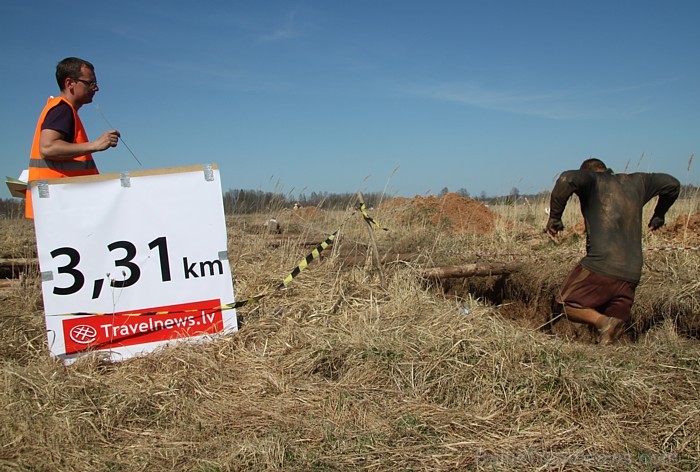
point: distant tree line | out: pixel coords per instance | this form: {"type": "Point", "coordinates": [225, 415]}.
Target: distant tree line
{"type": "Point", "coordinates": [11, 208]}
{"type": "Point", "coordinates": [240, 201]}
{"type": "Point", "coordinates": [689, 191]}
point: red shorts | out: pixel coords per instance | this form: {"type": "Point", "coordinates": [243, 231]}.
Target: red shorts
{"type": "Point", "coordinates": [586, 289]}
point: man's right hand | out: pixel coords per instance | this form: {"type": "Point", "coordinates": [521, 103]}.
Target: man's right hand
{"type": "Point", "coordinates": [107, 140]}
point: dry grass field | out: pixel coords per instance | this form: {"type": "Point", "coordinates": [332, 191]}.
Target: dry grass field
{"type": "Point", "coordinates": [357, 366]}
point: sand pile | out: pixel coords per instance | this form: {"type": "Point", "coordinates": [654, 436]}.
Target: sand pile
{"type": "Point", "coordinates": [452, 211]}
{"type": "Point", "coordinates": [685, 228]}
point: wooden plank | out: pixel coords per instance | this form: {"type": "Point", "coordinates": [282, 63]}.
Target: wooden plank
{"type": "Point", "coordinates": [11, 268]}
{"type": "Point", "coordinates": [471, 270]}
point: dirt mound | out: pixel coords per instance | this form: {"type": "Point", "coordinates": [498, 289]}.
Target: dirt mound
{"type": "Point", "coordinates": [686, 228]}
{"type": "Point", "coordinates": [462, 215]}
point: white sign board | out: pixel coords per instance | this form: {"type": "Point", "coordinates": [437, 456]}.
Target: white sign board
{"type": "Point", "coordinates": [132, 261]}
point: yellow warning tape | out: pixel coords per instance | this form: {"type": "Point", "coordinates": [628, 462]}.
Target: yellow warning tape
{"type": "Point", "coordinates": [307, 260]}
{"type": "Point", "coordinates": [369, 219]}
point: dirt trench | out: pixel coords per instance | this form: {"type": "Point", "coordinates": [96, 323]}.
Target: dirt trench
{"type": "Point", "coordinates": [527, 298]}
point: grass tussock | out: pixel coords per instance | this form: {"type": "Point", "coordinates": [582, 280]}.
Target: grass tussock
{"type": "Point", "coordinates": [342, 372]}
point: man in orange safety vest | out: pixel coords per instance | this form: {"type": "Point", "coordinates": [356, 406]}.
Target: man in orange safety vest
{"type": "Point", "coordinates": [61, 147]}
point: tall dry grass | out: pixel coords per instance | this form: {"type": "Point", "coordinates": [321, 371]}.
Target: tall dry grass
{"type": "Point", "coordinates": [340, 373]}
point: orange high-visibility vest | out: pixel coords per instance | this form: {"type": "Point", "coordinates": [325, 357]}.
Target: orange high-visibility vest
{"type": "Point", "coordinates": [40, 168]}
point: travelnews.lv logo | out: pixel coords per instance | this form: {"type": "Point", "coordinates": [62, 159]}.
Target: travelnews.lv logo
{"type": "Point", "coordinates": [83, 334]}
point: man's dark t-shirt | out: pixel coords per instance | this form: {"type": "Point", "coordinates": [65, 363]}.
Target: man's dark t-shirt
{"type": "Point", "coordinates": [60, 118]}
{"type": "Point", "coordinates": [612, 206]}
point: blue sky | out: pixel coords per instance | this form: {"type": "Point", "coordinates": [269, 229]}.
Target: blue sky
{"type": "Point", "coordinates": [404, 96]}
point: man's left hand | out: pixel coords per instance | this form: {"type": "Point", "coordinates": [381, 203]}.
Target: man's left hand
{"type": "Point", "coordinates": [554, 225]}
{"type": "Point", "coordinates": [656, 222]}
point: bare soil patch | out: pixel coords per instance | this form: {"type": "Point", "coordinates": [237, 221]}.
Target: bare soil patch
{"type": "Point", "coordinates": [452, 212]}
{"type": "Point", "coordinates": [685, 228]}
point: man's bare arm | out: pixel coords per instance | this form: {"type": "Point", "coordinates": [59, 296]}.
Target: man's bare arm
{"type": "Point", "coordinates": [53, 146]}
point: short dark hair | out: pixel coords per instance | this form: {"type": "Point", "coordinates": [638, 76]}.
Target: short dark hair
{"type": "Point", "coordinates": [70, 67]}
{"type": "Point", "coordinates": [594, 164]}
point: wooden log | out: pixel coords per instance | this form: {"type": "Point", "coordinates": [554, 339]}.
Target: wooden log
{"type": "Point", "coordinates": [471, 270]}
{"type": "Point", "coordinates": [14, 267]}
{"type": "Point", "coordinates": [21, 262]}
{"type": "Point", "coordinates": [10, 283]}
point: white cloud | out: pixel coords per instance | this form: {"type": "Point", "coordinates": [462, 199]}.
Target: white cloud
{"type": "Point", "coordinates": [289, 30]}
{"type": "Point", "coordinates": [550, 105]}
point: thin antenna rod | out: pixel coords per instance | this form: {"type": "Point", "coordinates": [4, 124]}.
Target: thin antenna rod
{"type": "Point", "coordinates": [97, 107]}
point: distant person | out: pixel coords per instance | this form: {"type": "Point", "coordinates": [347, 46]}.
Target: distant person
{"type": "Point", "coordinates": [61, 147]}
{"type": "Point", "coordinates": [599, 291]}
{"type": "Point", "coordinates": [272, 226]}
